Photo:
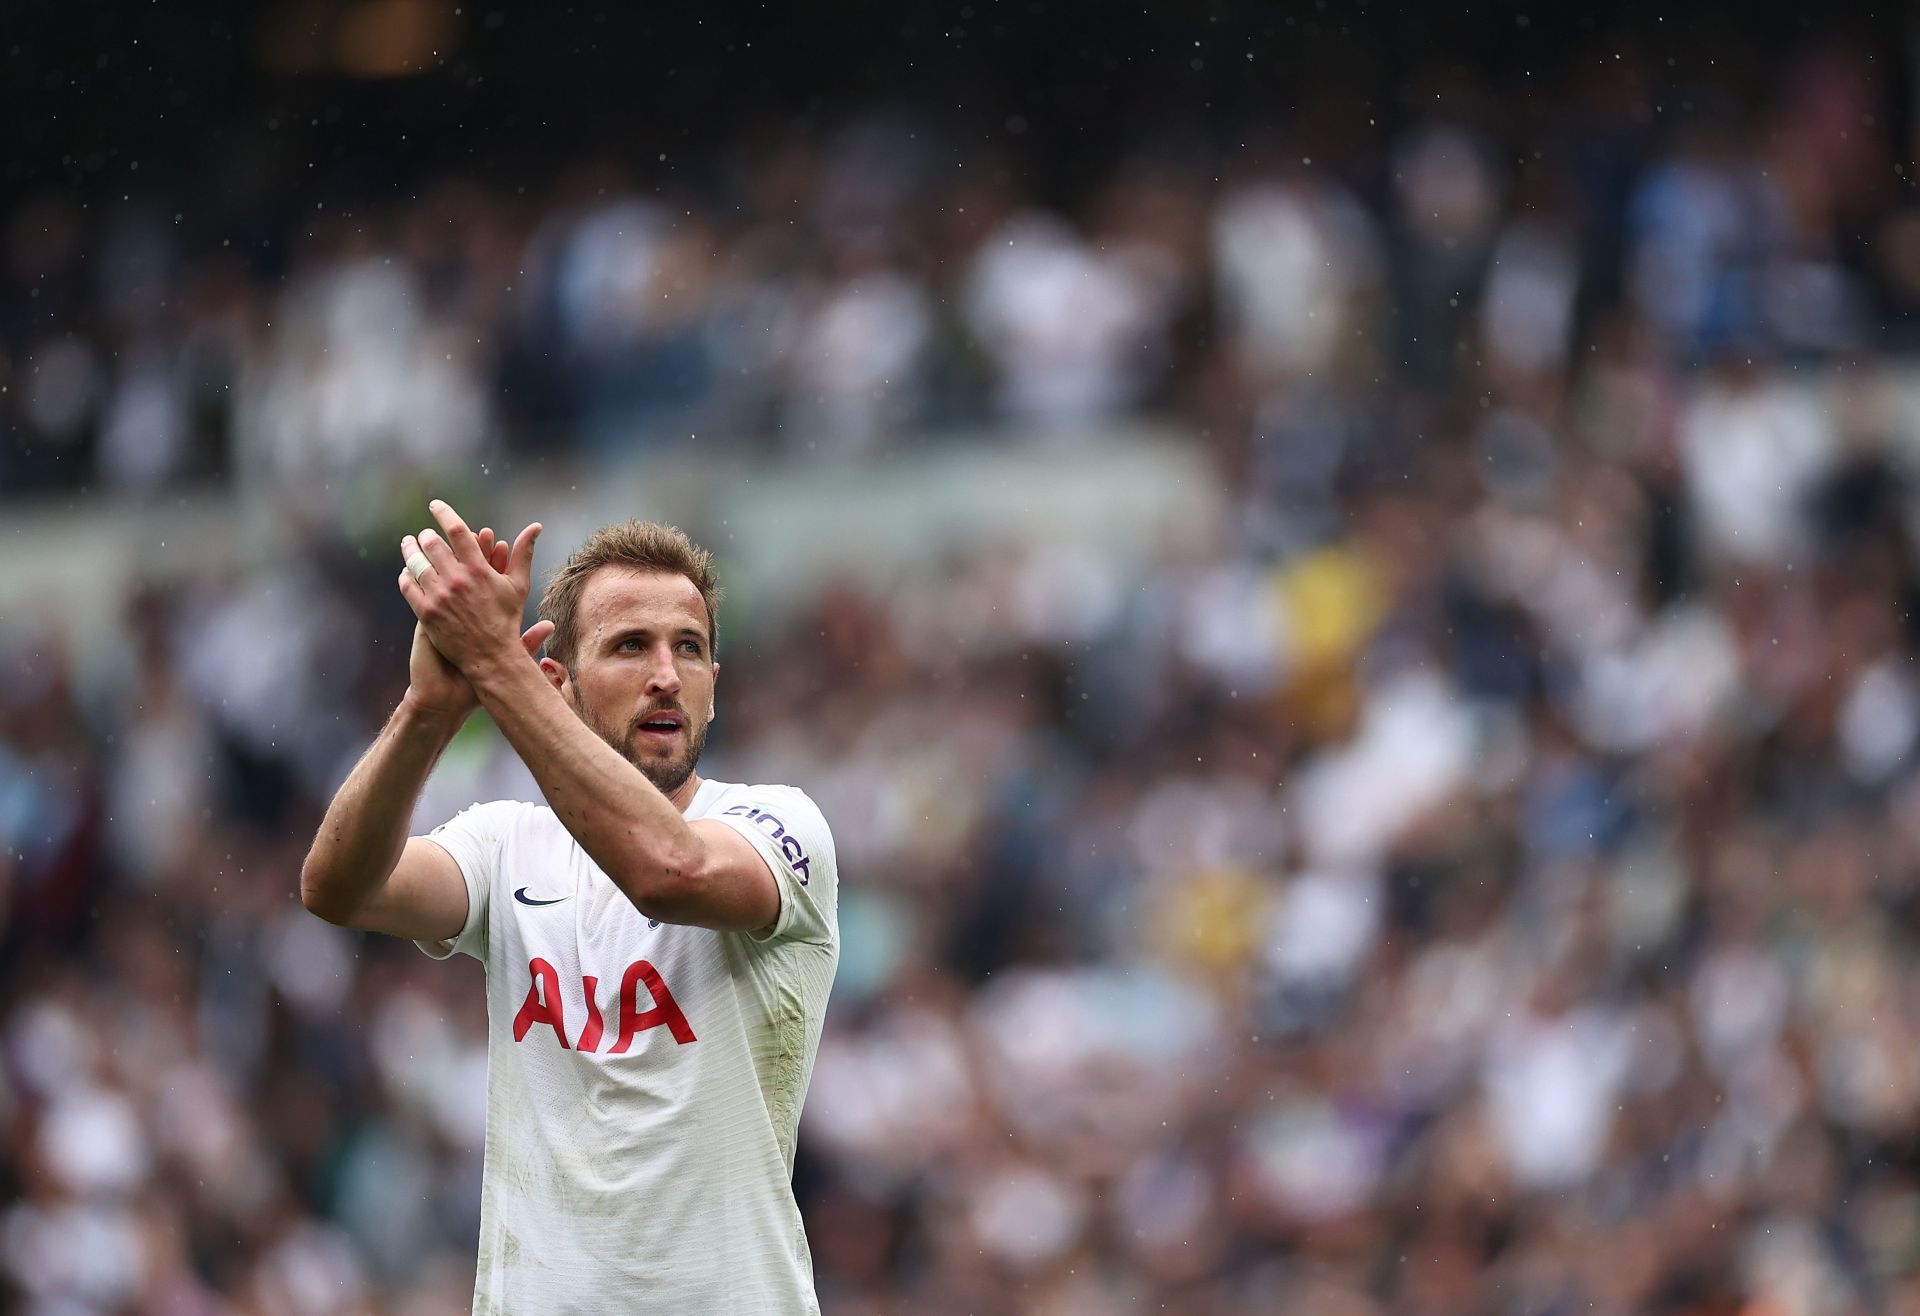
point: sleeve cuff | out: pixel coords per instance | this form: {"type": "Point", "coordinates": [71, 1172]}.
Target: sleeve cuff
{"type": "Point", "coordinates": [770, 855]}
{"type": "Point", "coordinates": [447, 949]}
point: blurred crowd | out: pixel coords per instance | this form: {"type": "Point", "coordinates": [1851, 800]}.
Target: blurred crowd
{"type": "Point", "coordinates": [850, 289]}
{"type": "Point", "coordinates": [1478, 877]}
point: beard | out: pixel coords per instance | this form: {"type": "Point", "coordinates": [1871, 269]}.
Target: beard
{"type": "Point", "coordinates": [668, 774]}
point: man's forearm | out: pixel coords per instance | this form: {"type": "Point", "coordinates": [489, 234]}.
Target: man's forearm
{"type": "Point", "coordinates": [631, 830]}
{"type": "Point", "coordinates": [365, 829]}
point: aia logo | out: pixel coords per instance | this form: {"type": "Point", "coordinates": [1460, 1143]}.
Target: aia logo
{"type": "Point", "coordinates": [544, 1005]}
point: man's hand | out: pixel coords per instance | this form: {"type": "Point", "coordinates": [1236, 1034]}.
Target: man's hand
{"type": "Point", "coordinates": [468, 602]}
{"type": "Point", "coordinates": [434, 684]}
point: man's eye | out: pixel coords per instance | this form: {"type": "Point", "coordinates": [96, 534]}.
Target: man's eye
{"type": "Point", "coordinates": [691, 646]}
{"type": "Point", "coordinates": [630, 644]}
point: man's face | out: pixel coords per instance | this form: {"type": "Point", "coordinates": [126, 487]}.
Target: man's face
{"type": "Point", "coordinates": [642, 673]}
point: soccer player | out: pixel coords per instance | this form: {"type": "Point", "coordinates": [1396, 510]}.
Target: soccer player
{"type": "Point", "coordinates": [658, 947]}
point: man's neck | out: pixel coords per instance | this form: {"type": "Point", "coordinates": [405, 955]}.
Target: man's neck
{"type": "Point", "coordinates": [682, 799]}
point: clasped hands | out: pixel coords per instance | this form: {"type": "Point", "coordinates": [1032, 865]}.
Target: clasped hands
{"type": "Point", "coordinates": [469, 598]}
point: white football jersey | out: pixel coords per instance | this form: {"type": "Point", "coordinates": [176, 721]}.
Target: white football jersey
{"type": "Point", "coordinates": [644, 1080]}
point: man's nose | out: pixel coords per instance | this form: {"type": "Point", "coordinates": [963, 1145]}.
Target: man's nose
{"type": "Point", "coordinates": [663, 676]}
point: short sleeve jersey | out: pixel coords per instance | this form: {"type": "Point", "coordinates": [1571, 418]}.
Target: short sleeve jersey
{"type": "Point", "coordinates": [644, 1080]}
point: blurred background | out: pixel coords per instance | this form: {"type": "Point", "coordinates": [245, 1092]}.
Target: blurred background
{"type": "Point", "coordinates": [1345, 578]}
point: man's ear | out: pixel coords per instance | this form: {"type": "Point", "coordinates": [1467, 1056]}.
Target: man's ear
{"type": "Point", "coordinates": [554, 672]}
{"type": "Point", "coordinates": [716, 682]}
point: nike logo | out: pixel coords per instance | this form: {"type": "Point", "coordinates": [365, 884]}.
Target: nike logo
{"type": "Point", "coordinates": [522, 896]}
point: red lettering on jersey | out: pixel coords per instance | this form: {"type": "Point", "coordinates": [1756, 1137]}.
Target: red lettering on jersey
{"type": "Point", "coordinates": [664, 1011]}
{"type": "Point", "coordinates": [542, 1005]}
{"type": "Point", "coordinates": [590, 1036]}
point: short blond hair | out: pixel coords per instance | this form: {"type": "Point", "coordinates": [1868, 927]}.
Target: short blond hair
{"type": "Point", "coordinates": [642, 545]}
